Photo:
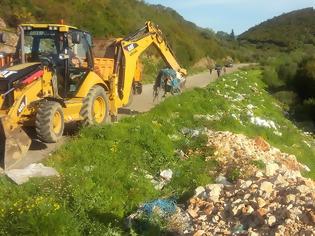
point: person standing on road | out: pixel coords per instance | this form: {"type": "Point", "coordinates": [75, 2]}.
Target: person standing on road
{"type": "Point", "coordinates": [218, 68]}
{"type": "Point", "coordinates": [210, 64]}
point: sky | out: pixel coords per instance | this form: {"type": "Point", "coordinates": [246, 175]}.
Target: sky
{"type": "Point", "coordinates": [225, 15]}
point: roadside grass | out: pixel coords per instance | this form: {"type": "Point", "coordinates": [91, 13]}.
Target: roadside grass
{"type": "Point", "coordinates": [103, 170]}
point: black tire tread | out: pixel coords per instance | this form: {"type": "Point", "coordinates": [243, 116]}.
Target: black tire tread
{"type": "Point", "coordinates": [86, 110]}
{"type": "Point", "coordinates": [43, 121]}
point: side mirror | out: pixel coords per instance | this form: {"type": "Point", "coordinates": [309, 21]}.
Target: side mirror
{"type": "Point", "coordinates": [76, 38]}
{"type": "Point", "coordinates": [3, 37]}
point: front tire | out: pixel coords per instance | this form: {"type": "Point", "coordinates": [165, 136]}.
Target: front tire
{"type": "Point", "coordinates": [95, 107]}
{"type": "Point", "coordinates": [49, 121]}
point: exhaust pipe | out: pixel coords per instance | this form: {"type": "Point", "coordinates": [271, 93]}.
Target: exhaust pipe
{"type": "Point", "coordinates": [14, 144]}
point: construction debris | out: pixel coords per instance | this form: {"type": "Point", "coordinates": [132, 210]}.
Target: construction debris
{"type": "Point", "coordinates": [259, 190]}
{"type": "Point", "coordinates": [21, 176]}
{"type": "Point", "coordinates": [268, 198]}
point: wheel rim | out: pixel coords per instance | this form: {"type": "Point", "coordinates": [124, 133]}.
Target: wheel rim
{"type": "Point", "coordinates": [57, 122]}
{"type": "Point", "coordinates": [99, 109]}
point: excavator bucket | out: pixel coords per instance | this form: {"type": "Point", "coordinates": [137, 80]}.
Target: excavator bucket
{"type": "Point", "coordinates": [14, 143]}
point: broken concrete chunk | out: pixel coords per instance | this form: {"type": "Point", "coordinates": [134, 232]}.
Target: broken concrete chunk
{"type": "Point", "coordinates": [266, 187]}
{"type": "Point", "coordinates": [21, 176]}
{"type": "Point", "coordinates": [271, 169]}
{"type": "Point", "coordinates": [199, 191]}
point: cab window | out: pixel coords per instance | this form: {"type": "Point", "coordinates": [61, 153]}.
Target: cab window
{"type": "Point", "coordinates": [78, 52]}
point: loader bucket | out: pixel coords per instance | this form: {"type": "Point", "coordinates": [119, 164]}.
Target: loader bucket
{"type": "Point", "coordinates": [14, 143]}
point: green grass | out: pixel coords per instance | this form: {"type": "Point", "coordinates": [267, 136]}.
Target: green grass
{"type": "Point", "coordinates": [102, 170]}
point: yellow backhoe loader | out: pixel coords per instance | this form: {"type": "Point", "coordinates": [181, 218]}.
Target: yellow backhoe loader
{"type": "Point", "coordinates": [55, 80]}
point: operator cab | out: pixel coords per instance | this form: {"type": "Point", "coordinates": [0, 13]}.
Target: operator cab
{"type": "Point", "coordinates": [64, 49]}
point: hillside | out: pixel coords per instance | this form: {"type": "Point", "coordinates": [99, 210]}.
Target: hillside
{"type": "Point", "coordinates": [117, 18]}
{"type": "Point", "coordinates": [291, 30]}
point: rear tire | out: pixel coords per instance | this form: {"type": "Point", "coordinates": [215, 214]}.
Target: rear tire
{"type": "Point", "coordinates": [95, 107]}
{"type": "Point", "coordinates": [49, 121]}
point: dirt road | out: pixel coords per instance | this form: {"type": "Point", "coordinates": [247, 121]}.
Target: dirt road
{"type": "Point", "coordinates": [141, 103]}
{"type": "Point", "coordinates": [144, 102]}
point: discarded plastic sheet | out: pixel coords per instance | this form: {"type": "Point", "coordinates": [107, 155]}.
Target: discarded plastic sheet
{"type": "Point", "coordinates": [21, 176]}
{"type": "Point", "coordinates": [166, 206]}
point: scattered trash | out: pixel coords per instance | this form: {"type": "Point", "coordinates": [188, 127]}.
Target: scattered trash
{"type": "Point", "coordinates": [161, 180]}
{"type": "Point", "coordinates": [167, 174]}
{"type": "Point", "coordinates": [193, 132]}
{"type": "Point", "coordinates": [162, 206]}
{"type": "Point", "coordinates": [209, 117]}
{"type": "Point", "coordinates": [181, 154]}
{"type": "Point", "coordinates": [222, 180]}
{"type": "Point", "coordinates": [174, 137]}
{"type": "Point", "coordinates": [89, 168]}
{"type": "Point", "coordinates": [174, 217]}
{"type": "Point", "coordinates": [263, 123]}
{"type": "Point", "coordinates": [21, 176]}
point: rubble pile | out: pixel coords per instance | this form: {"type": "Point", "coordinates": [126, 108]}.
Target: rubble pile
{"type": "Point", "coordinates": [12, 39]}
{"type": "Point", "coordinates": [238, 151]}
{"type": "Point", "coordinates": [273, 200]}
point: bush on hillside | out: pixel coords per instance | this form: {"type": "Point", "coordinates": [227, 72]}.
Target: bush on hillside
{"type": "Point", "coordinates": [289, 98]}
{"type": "Point", "coordinates": [286, 72]}
{"type": "Point", "coordinates": [304, 81]}
{"type": "Point", "coordinates": [270, 77]}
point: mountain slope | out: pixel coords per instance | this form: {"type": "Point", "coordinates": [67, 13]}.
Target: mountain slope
{"type": "Point", "coordinates": [291, 30]}
{"type": "Point", "coordinates": [117, 18]}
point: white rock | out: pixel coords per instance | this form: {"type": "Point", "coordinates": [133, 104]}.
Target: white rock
{"type": "Point", "coordinates": [303, 189]}
{"type": "Point", "coordinates": [250, 210]}
{"type": "Point", "coordinates": [261, 202]}
{"type": "Point", "coordinates": [291, 174]}
{"type": "Point", "coordinates": [236, 209]}
{"type": "Point", "coordinates": [290, 198]}
{"type": "Point", "coordinates": [198, 191]}
{"type": "Point", "coordinates": [271, 169]}
{"type": "Point", "coordinates": [222, 180]}
{"type": "Point", "coordinates": [246, 184]}
{"type": "Point", "coordinates": [252, 233]}
{"type": "Point", "coordinates": [271, 220]}
{"type": "Point", "coordinates": [167, 174]}
{"type": "Point", "coordinates": [266, 187]}
{"type": "Point", "coordinates": [236, 202]}
{"type": "Point", "coordinates": [259, 174]}
{"type": "Point", "coordinates": [202, 217]}
{"type": "Point", "coordinates": [214, 191]}
{"type": "Point", "coordinates": [215, 219]}
{"type": "Point", "coordinates": [280, 180]}
{"type": "Point", "coordinates": [247, 196]}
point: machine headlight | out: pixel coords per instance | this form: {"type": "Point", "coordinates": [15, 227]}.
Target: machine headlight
{"type": "Point", "coordinates": [53, 28]}
{"type": "Point", "coordinates": [27, 27]}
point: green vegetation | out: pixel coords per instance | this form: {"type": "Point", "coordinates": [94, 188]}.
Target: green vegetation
{"type": "Point", "coordinates": [285, 46]}
{"type": "Point", "coordinates": [289, 31]}
{"type": "Point", "coordinates": [117, 18]}
{"type": "Point", "coordinates": [102, 170]}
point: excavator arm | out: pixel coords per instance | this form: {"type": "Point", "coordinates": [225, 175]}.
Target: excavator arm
{"type": "Point", "coordinates": [127, 54]}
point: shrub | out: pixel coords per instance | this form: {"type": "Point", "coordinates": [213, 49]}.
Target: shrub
{"type": "Point", "coordinates": [304, 81]}
{"type": "Point", "coordinates": [287, 97]}
{"type": "Point", "coordinates": [270, 77]}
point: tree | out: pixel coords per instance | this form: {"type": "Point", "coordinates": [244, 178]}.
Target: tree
{"type": "Point", "coordinates": [304, 80]}
{"type": "Point", "coordinates": [232, 35]}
